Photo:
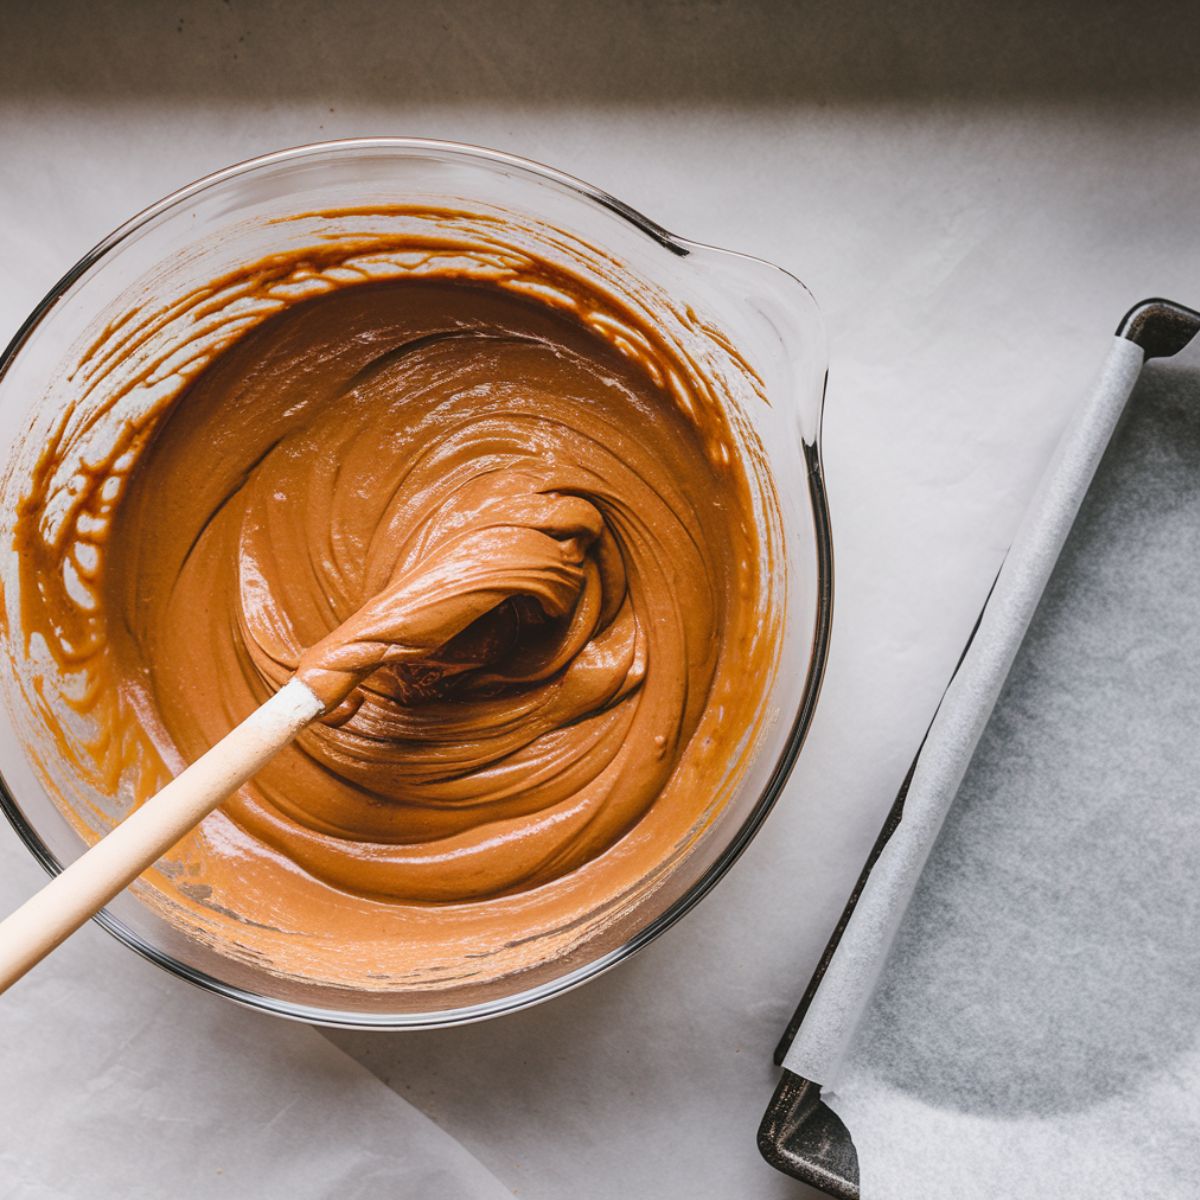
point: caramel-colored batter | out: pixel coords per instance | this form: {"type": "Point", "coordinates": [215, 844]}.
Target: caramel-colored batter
{"type": "Point", "coordinates": [544, 574]}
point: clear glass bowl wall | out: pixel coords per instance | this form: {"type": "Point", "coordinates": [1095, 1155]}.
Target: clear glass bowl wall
{"type": "Point", "coordinates": [766, 316]}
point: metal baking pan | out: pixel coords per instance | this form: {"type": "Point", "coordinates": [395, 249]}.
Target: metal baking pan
{"type": "Point", "coordinates": [800, 1134]}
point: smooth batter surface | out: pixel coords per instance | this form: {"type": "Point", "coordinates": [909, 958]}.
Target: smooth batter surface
{"type": "Point", "coordinates": [550, 577]}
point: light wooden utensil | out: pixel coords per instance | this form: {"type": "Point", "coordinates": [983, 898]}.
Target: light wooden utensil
{"type": "Point", "coordinates": [50, 916]}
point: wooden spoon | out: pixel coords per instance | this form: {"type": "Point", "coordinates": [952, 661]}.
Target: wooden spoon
{"type": "Point", "coordinates": [50, 916]}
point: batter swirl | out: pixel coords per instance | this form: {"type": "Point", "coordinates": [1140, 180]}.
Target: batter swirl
{"type": "Point", "coordinates": [544, 593]}
{"type": "Point", "coordinates": [531, 526]}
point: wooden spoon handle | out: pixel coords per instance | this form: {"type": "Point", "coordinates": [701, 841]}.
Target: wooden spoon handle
{"type": "Point", "coordinates": [47, 918]}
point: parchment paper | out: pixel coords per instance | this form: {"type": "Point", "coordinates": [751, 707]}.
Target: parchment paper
{"type": "Point", "coordinates": [946, 753]}
{"type": "Point", "coordinates": [1036, 1029]}
{"type": "Point", "coordinates": [150, 1088]}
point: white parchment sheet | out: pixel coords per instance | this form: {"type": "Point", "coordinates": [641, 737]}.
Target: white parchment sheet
{"type": "Point", "coordinates": [1036, 1029]}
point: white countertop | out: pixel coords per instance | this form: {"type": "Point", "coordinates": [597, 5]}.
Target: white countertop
{"type": "Point", "coordinates": [974, 206]}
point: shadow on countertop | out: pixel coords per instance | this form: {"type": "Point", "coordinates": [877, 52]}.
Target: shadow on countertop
{"type": "Point", "coordinates": [623, 51]}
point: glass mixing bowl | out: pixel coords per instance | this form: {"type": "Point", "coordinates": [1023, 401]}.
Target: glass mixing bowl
{"type": "Point", "coordinates": [750, 325]}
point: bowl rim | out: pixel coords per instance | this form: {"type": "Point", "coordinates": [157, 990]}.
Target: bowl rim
{"type": "Point", "coordinates": [442, 1018]}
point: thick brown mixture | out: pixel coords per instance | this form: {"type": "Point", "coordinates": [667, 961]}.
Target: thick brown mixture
{"type": "Point", "coordinates": [553, 574]}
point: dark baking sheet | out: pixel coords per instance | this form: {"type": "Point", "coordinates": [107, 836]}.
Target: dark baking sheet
{"type": "Point", "coordinates": [1021, 1021]}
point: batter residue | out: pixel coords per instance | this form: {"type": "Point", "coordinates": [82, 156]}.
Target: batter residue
{"type": "Point", "coordinates": [551, 572]}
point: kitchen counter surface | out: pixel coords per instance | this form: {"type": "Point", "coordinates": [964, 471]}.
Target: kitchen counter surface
{"type": "Point", "coordinates": [975, 205]}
